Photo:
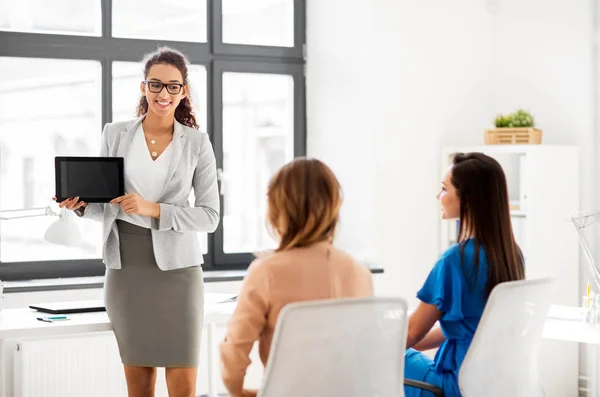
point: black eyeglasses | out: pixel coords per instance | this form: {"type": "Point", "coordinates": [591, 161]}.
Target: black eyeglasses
{"type": "Point", "coordinates": [156, 87]}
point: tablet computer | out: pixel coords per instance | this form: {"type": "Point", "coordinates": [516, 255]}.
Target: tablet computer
{"type": "Point", "coordinates": [70, 307]}
{"type": "Point", "coordinates": [93, 179]}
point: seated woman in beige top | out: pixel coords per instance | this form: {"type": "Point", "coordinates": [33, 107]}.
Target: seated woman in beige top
{"type": "Point", "coordinates": [304, 200]}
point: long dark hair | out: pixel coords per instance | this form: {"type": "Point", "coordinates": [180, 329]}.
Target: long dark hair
{"type": "Point", "coordinates": [165, 55]}
{"type": "Point", "coordinates": [485, 215]}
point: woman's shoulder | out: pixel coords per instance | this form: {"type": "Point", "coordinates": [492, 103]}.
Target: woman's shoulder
{"type": "Point", "coordinates": [118, 126]}
{"type": "Point", "coordinates": [318, 258]}
{"type": "Point", "coordinates": [465, 247]}
{"type": "Point", "coordinates": [260, 267]}
{"type": "Point", "coordinates": [122, 124]}
{"type": "Point", "coordinates": [461, 254]}
{"type": "Point", "coordinates": [323, 253]}
{"type": "Point", "coordinates": [451, 252]}
{"type": "Point", "coordinates": [268, 258]}
{"type": "Point", "coordinates": [193, 134]}
{"type": "Point", "coordinates": [452, 255]}
{"type": "Point", "coordinates": [197, 141]}
{"type": "Point", "coordinates": [346, 258]}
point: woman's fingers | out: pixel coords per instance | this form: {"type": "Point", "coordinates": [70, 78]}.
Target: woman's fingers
{"type": "Point", "coordinates": [73, 203]}
{"type": "Point", "coordinates": [70, 204]}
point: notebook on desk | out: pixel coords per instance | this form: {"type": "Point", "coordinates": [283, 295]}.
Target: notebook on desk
{"type": "Point", "coordinates": [70, 307]}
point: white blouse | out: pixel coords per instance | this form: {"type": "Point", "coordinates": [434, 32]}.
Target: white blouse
{"type": "Point", "coordinates": [144, 176]}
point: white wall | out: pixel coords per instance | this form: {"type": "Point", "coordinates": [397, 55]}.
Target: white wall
{"type": "Point", "coordinates": [339, 112]}
{"type": "Point", "coordinates": [543, 61]}
{"type": "Point", "coordinates": [388, 83]}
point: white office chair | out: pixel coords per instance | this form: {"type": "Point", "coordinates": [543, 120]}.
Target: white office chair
{"type": "Point", "coordinates": [503, 357]}
{"type": "Point", "coordinates": [338, 348]}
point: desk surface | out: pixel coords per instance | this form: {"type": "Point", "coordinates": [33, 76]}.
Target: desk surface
{"type": "Point", "coordinates": [23, 323]}
{"type": "Point", "coordinates": [563, 322]}
{"type": "Point", "coordinates": [566, 323]}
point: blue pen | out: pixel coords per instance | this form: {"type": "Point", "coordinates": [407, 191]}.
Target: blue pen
{"type": "Point", "coordinates": [49, 319]}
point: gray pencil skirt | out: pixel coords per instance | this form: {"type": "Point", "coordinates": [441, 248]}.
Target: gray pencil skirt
{"type": "Point", "coordinates": [156, 315]}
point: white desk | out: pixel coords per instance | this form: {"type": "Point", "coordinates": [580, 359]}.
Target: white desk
{"type": "Point", "coordinates": [562, 324]}
{"type": "Point", "coordinates": [23, 323]}
{"type": "Point", "coordinates": [565, 323]}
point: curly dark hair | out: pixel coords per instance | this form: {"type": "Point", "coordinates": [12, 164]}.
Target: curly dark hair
{"type": "Point", "coordinates": [165, 55]}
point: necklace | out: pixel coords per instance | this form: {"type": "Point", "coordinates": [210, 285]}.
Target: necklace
{"type": "Point", "coordinates": [154, 153]}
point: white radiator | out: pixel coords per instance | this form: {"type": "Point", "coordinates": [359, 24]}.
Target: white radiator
{"type": "Point", "coordinates": [90, 366]}
{"type": "Point", "coordinates": [87, 366]}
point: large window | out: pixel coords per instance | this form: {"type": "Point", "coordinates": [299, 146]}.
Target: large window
{"type": "Point", "coordinates": [47, 108]}
{"type": "Point", "coordinates": [258, 138]}
{"type": "Point", "coordinates": [62, 78]}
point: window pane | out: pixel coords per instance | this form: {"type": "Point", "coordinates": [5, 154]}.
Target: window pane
{"type": "Point", "coordinates": [258, 138]}
{"type": "Point", "coordinates": [55, 17]}
{"type": "Point", "coordinates": [259, 22]}
{"type": "Point", "coordinates": [177, 20]}
{"type": "Point", "coordinates": [126, 94]}
{"type": "Point", "coordinates": [48, 108]}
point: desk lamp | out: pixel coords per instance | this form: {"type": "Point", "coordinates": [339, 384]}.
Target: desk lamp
{"type": "Point", "coordinates": [581, 220]}
{"type": "Point", "coordinates": [63, 231]}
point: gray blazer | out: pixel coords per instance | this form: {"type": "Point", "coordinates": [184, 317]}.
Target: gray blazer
{"type": "Point", "coordinates": [174, 234]}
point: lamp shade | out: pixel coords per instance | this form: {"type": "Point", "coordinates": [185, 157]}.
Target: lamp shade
{"type": "Point", "coordinates": [64, 231]}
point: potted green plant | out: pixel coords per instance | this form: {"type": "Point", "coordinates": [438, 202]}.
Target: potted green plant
{"type": "Point", "coordinates": [515, 128]}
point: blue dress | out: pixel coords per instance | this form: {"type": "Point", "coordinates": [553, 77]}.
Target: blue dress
{"type": "Point", "coordinates": [461, 303]}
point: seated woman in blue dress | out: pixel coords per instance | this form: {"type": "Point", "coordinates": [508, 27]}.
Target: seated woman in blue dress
{"type": "Point", "coordinates": [455, 292]}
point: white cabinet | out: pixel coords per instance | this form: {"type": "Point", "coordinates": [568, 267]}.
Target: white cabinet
{"type": "Point", "coordinates": [543, 188]}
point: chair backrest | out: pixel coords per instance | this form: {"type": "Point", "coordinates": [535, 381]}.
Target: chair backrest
{"type": "Point", "coordinates": [503, 357]}
{"type": "Point", "coordinates": [338, 348]}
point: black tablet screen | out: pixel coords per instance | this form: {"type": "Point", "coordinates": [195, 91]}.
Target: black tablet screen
{"type": "Point", "coordinates": [91, 180]}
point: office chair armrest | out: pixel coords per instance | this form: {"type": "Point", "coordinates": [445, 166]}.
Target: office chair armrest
{"type": "Point", "coordinates": [437, 392]}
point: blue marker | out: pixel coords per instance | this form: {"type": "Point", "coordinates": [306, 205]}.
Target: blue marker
{"type": "Point", "coordinates": [49, 319]}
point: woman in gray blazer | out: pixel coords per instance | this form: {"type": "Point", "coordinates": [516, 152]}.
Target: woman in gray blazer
{"type": "Point", "coordinates": [153, 286]}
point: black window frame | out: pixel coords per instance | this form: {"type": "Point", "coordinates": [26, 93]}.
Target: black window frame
{"type": "Point", "coordinates": [217, 57]}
